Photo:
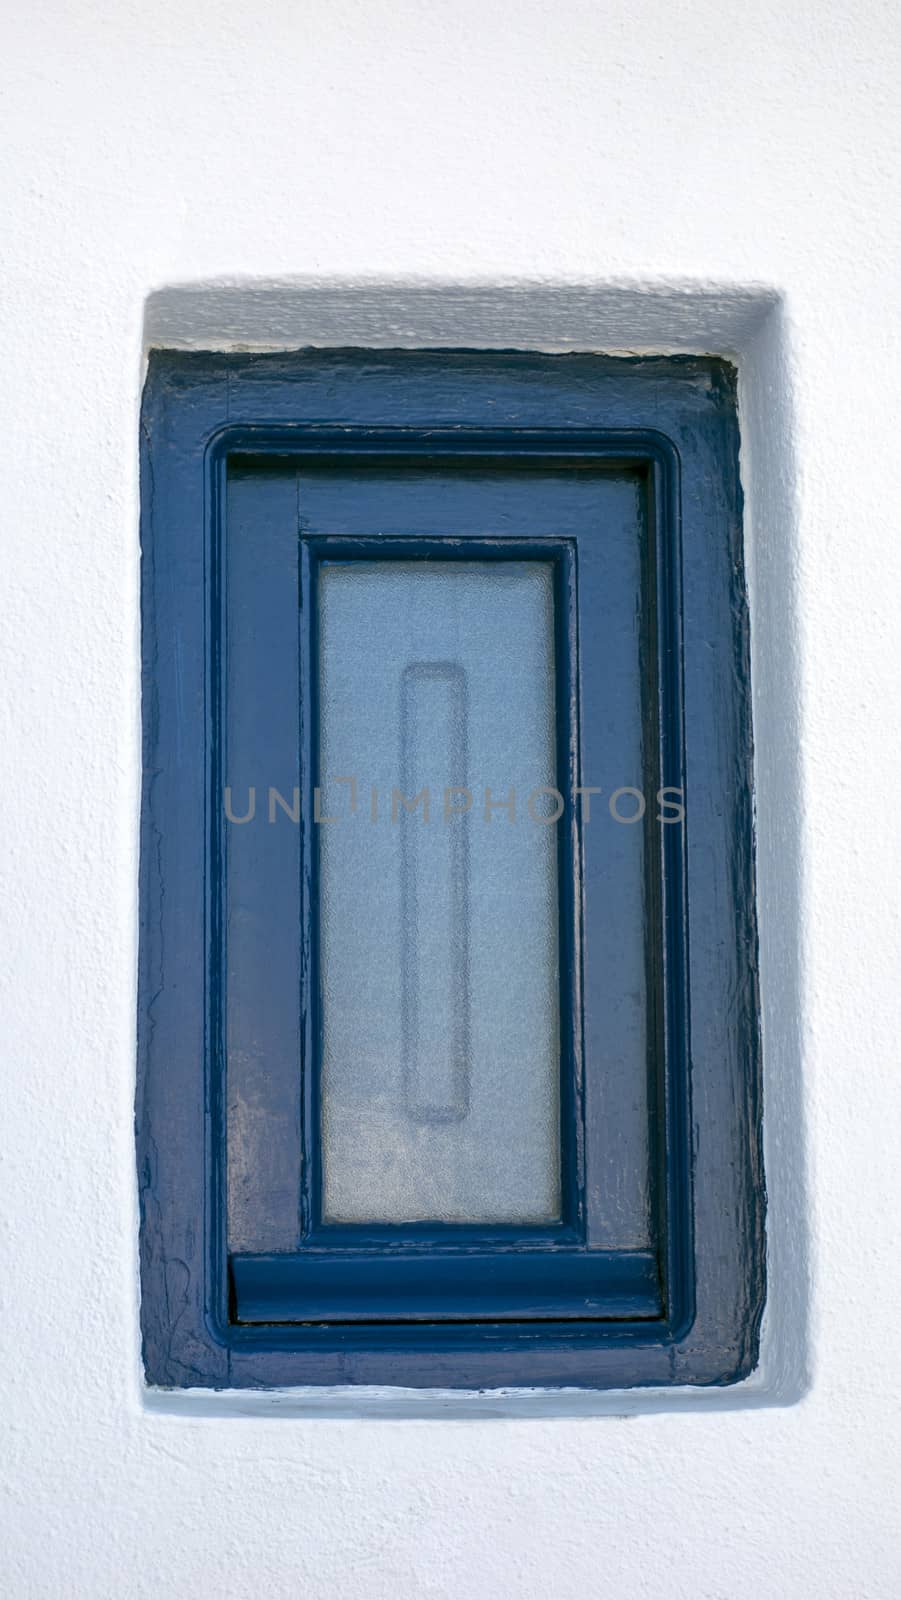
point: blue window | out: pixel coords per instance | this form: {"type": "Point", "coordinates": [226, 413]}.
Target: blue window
{"type": "Point", "coordinates": [448, 1068]}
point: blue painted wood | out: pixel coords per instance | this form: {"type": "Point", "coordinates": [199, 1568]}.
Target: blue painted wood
{"type": "Point", "coordinates": [322, 1285]}
{"type": "Point", "coordinates": [669, 427]}
{"type": "Point", "coordinates": [261, 865]}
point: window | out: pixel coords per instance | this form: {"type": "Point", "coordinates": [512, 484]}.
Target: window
{"type": "Point", "coordinates": [449, 1025]}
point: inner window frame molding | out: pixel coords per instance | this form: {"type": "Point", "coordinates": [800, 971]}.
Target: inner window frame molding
{"type": "Point", "coordinates": [675, 417]}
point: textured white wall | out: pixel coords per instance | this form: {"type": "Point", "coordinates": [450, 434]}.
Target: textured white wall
{"type": "Point", "coordinates": [639, 143]}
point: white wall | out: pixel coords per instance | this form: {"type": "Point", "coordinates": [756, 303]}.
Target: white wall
{"type": "Point", "coordinates": [653, 146]}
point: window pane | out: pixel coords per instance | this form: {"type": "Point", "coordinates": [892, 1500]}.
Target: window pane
{"type": "Point", "coordinates": [439, 937]}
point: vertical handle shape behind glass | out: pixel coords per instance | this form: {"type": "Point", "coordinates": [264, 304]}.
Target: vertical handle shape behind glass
{"type": "Point", "coordinates": [435, 871]}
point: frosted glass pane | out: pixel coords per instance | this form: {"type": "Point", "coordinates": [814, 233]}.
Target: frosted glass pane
{"type": "Point", "coordinates": [438, 937]}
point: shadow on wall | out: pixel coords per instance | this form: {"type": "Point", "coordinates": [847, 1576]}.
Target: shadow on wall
{"type": "Point", "coordinates": [749, 325]}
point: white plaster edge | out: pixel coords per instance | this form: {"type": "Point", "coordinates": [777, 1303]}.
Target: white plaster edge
{"type": "Point", "coordinates": [748, 324]}
{"type": "Point", "coordinates": [616, 317]}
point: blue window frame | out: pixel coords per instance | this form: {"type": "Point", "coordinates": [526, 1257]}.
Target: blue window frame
{"type": "Point", "coordinates": [446, 1097]}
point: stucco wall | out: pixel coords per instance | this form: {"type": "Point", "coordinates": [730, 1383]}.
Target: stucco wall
{"type": "Point", "coordinates": [623, 176]}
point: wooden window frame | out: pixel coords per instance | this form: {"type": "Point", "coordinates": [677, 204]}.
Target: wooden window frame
{"type": "Point", "coordinates": [335, 1312]}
